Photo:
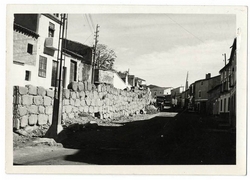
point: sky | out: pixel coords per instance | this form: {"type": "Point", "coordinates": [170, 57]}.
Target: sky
{"type": "Point", "coordinates": [160, 48]}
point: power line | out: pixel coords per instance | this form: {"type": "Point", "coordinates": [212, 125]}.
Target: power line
{"type": "Point", "coordinates": [89, 25]}
{"type": "Point", "coordinates": [92, 22]}
{"type": "Point", "coordinates": [185, 29]}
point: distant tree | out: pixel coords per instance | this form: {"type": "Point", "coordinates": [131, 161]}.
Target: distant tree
{"type": "Point", "coordinates": [105, 57]}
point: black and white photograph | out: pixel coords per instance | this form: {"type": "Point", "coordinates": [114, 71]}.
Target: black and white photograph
{"type": "Point", "coordinates": [151, 89]}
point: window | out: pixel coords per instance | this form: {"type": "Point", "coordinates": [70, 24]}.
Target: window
{"type": "Point", "coordinates": [201, 82]}
{"type": "Point", "coordinates": [221, 105]}
{"type": "Point", "coordinates": [30, 48]}
{"type": "Point", "coordinates": [42, 66]}
{"type": "Point", "coordinates": [73, 67]}
{"type": "Point", "coordinates": [228, 104]}
{"type": "Point", "coordinates": [51, 29]}
{"type": "Point", "coordinates": [27, 75]}
{"type": "Point", "coordinates": [199, 94]}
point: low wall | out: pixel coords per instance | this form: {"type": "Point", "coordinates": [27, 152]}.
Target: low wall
{"type": "Point", "coordinates": [34, 105]}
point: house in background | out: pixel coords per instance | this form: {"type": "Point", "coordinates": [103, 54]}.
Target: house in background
{"type": "Point", "coordinates": [227, 99]}
{"type": "Point", "coordinates": [160, 91]}
{"type": "Point", "coordinates": [201, 88]}
{"type": "Point", "coordinates": [78, 61]}
{"type": "Point", "coordinates": [35, 52]}
{"type": "Point", "coordinates": [213, 103]}
{"type": "Point", "coordinates": [176, 95]}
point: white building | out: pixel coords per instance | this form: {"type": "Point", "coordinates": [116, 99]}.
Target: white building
{"type": "Point", "coordinates": [35, 52]}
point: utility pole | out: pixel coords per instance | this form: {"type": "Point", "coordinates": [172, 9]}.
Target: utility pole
{"type": "Point", "coordinates": [56, 126]}
{"type": "Point", "coordinates": [94, 55]}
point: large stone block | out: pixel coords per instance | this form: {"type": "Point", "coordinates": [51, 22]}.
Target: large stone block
{"type": "Point", "coordinates": [22, 90]}
{"type": "Point", "coordinates": [49, 110]}
{"type": "Point", "coordinates": [22, 111]}
{"type": "Point", "coordinates": [32, 119]}
{"type": "Point", "coordinates": [95, 95]}
{"type": "Point", "coordinates": [47, 101]}
{"type": "Point", "coordinates": [32, 89]}
{"type": "Point", "coordinates": [50, 93]}
{"type": "Point", "coordinates": [96, 109]}
{"type": "Point", "coordinates": [24, 121]}
{"type": "Point", "coordinates": [41, 109]}
{"type": "Point", "coordinates": [80, 86]}
{"type": "Point", "coordinates": [73, 85]}
{"type": "Point", "coordinates": [71, 115]}
{"type": "Point", "coordinates": [88, 101]}
{"type": "Point", "coordinates": [68, 109]}
{"type": "Point", "coordinates": [38, 100]}
{"type": "Point", "coordinates": [65, 102]}
{"type": "Point", "coordinates": [91, 109]}
{"type": "Point", "coordinates": [41, 91]}
{"type": "Point", "coordinates": [66, 93]}
{"type": "Point", "coordinates": [77, 102]}
{"type": "Point", "coordinates": [33, 109]}
{"type": "Point", "coordinates": [27, 99]}
{"type": "Point", "coordinates": [42, 119]}
{"type": "Point", "coordinates": [50, 119]}
{"type": "Point", "coordinates": [82, 94]}
{"type": "Point", "coordinates": [82, 103]}
{"type": "Point", "coordinates": [16, 123]}
{"type": "Point", "coordinates": [73, 95]}
{"type": "Point", "coordinates": [74, 109]}
{"type": "Point", "coordinates": [86, 109]}
{"type": "Point", "coordinates": [71, 101]}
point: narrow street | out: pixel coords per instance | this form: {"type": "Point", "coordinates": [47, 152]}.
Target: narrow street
{"type": "Point", "coordinates": [167, 139]}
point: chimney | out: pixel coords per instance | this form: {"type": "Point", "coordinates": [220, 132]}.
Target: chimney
{"type": "Point", "coordinates": [208, 76]}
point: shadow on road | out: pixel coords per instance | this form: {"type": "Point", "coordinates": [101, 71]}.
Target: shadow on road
{"type": "Point", "coordinates": [184, 139]}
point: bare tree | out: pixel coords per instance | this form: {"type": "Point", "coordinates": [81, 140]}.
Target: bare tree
{"type": "Point", "coordinates": [105, 57]}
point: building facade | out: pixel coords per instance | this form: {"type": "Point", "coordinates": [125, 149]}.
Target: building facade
{"type": "Point", "coordinates": [227, 99]}
{"type": "Point", "coordinates": [35, 52]}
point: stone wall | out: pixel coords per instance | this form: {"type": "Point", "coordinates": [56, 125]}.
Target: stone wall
{"type": "Point", "coordinates": [34, 105]}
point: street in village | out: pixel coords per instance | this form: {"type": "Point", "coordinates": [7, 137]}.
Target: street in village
{"type": "Point", "coordinates": [168, 138]}
{"type": "Point", "coordinates": [83, 96]}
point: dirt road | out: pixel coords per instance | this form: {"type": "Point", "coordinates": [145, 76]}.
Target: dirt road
{"type": "Point", "coordinates": [163, 140]}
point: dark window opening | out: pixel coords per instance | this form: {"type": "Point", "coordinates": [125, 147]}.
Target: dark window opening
{"type": "Point", "coordinates": [220, 105]}
{"type": "Point", "coordinates": [30, 48]}
{"type": "Point", "coordinates": [199, 94]}
{"type": "Point", "coordinates": [42, 66]}
{"type": "Point", "coordinates": [73, 69]}
{"type": "Point", "coordinates": [51, 29]}
{"type": "Point", "coordinates": [228, 104]}
{"type": "Point", "coordinates": [27, 75]}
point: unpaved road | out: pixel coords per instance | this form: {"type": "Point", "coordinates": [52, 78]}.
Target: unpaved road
{"type": "Point", "coordinates": [163, 140]}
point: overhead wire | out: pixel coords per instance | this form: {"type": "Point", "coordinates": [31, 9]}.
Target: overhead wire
{"type": "Point", "coordinates": [184, 29]}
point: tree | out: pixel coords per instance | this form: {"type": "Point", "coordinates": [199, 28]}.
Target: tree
{"type": "Point", "coordinates": [105, 57]}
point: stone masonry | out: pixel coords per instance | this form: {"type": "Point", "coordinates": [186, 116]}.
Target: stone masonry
{"type": "Point", "coordinates": [34, 105]}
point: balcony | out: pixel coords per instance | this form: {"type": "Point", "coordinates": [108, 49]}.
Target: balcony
{"type": "Point", "coordinates": [51, 43]}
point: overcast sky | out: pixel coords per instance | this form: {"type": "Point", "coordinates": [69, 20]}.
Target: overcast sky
{"type": "Point", "coordinates": [160, 48]}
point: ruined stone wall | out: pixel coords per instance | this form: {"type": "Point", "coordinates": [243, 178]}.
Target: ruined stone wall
{"type": "Point", "coordinates": [34, 105]}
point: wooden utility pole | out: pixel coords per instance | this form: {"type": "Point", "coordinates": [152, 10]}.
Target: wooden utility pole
{"type": "Point", "coordinates": [94, 55]}
{"type": "Point", "coordinates": [56, 126]}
